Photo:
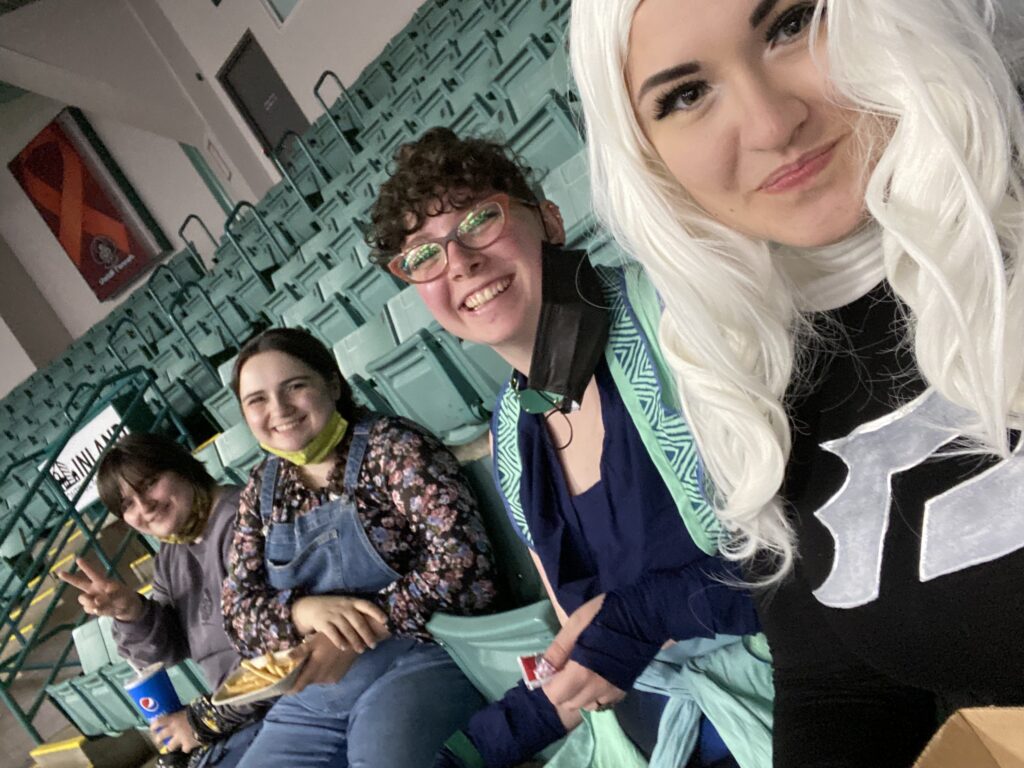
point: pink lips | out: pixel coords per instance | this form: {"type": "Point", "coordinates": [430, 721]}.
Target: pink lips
{"type": "Point", "coordinates": [792, 175]}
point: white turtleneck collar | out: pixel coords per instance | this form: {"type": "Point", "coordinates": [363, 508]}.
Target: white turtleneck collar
{"type": "Point", "coordinates": [832, 276]}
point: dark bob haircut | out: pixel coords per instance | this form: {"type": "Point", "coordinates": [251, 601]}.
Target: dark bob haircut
{"type": "Point", "coordinates": [139, 456]}
{"type": "Point", "coordinates": [437, 173]}
{"type": "Point", "coordinates": [305, 348]}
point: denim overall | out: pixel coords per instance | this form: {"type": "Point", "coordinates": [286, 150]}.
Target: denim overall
{"type": "Point", "coordinates": [397, 703]}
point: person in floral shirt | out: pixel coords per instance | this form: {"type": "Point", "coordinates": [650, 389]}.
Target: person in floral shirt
{"type": "Point", "coordinates": [352, 532]}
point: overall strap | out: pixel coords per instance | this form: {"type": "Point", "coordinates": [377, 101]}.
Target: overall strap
{"type": "Point", "coordinates": [267, 487]}
{"type": "Point", "coordinates": [356, 452]}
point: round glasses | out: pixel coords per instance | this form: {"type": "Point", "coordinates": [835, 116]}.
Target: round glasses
{"type": "Point", "coordinates": [482, 225]}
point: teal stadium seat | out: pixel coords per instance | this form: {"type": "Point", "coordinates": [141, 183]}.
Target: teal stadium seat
{"type": "Point", "coordinates": [279, 301]}
{"type": "Point", "coordinates": [424, 377]}
{"type": "Point", "coordinates": [333, 150]}
{"type": "Point", "coordinates": [223, 408]}
{"type": "Point", "coordinates": [335, 317]}
{"type": "Point", "coordinates": [225, 369]}
{"type": "Point", "coordinates": [547, 137]}
{"type": "Point", "coordinates": [238, 449]}
{"type": "Point", "coordinates": [296, 314]}
{"type": "Point", "coordinates": [409, 314]}
{"type": "Point", "coordinates": [321, 246]}
{"type": "Point", "coordinates": [356, 351]}
{"type": "Point", "coordinates": [351, 246]}
{"type": "Point", "coordinates": [210, 459]}
{"type": "Point", "coordinates": [421, 382]}
{"type": "Point", "coordinates": [487, 648]}
{"type": "Point", "coordinates": [568, 185]}
{"type": "Point", "coordinates": [289, 212]}
{"type": "Point", "coordinates": [520, 81]}
{"type": "Point", "coordinates": [111, 703]}
{"type": "Point", "coordinates": [369, 289]}
{"type": "Point", "coordinates": [481, 366]}
{"type": "Point", "coordinates": [77, 708]}
{"type": "Point", "coordinates": [402, 55]}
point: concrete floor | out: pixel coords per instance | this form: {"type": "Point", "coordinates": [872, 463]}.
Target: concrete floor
{"type": "Point", "coordinates": [51, 724]}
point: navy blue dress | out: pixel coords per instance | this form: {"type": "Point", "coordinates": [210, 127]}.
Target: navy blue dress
{"type": "Point", "coordinates": [609, 535]}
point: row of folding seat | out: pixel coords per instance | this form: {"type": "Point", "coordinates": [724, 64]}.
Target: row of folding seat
{"type": "Point", "coordinates": [298, 258]}
{"type": "Point", "coordinates": [95, 701]}
{"type": "Point", "coordinates": [180, 338]}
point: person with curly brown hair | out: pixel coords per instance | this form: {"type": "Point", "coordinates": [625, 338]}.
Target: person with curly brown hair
{"type": "Point", "coordinates": [597, 469]}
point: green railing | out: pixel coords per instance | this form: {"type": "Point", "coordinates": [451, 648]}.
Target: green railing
{"type": "Point", "coordinates": [51, 536]}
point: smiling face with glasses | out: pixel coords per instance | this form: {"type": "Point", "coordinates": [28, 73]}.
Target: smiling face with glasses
{"type": "Point", "coordinates": [480, 225]}
{"type": "Point", "coordinates": [478, 270]}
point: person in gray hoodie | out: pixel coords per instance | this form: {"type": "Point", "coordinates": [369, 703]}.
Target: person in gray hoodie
{"type": "Point", "coordinates": [158, 488]}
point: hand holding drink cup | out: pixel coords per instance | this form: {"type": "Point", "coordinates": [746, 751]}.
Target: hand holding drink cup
{"type": "Point", "coordinates": [154, 696]}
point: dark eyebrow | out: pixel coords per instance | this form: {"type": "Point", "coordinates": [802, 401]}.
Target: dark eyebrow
{"type": "Point", "coordinates": [284, 383]}
{"type": "Point", "coordinates": [761, 12]}
{"type": "Point", "coordinates": [667, 75]}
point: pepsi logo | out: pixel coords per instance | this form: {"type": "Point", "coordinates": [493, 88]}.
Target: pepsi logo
{"type": "Point", "coordinates": [149, 704]}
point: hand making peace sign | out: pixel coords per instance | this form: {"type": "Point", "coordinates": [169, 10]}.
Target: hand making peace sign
{"type": "Point", "coordinates": [103, 595]}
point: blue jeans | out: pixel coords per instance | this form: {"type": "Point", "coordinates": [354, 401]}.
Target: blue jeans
{"type": "Point", "coordinates": [228, 752]}
{"type": "Point", "coordinates": [394, 708]}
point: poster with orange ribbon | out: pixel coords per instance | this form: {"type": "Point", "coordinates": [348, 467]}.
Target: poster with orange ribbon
{"type": "Point", "coordinates": [84, 208]}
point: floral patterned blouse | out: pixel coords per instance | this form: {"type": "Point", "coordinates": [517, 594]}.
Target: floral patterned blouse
{"type": "Point", "coordinates": [419, 514]}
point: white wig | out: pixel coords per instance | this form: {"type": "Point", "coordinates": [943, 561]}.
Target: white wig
{"type": "Point", "coordinates": [946, 191]}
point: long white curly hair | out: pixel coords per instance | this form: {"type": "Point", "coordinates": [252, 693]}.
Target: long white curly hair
{"type": "Point", "coordinates": [946, 192]}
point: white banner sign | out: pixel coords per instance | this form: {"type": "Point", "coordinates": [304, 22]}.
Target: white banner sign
{"type": "Point", "coordinates": [81, 454]}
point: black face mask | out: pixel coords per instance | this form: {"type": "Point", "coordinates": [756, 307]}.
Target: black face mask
{"type": "Point", "coordinates": [571, 335]}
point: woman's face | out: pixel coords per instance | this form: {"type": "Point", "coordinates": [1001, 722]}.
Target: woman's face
{"type": "Point", "coordinates": [493, 295]}
{"type": "Point", "coordinates": [735, 104]}
{"type": "Point", "coordinates": [161, 506]}
{"type": "Point", "coordinates": [285, 402]}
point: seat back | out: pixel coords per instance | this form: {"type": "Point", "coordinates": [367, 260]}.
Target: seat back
{"type": "Point", "coordinates": [408, 313]}
{"type": "Point", "coordinates": [369, 290]}
{"type": "Point", "coordinates": [370, 341]}
{"type": "Point", "coordinates": [422, 383]}
{"type": "Point", "coordinates": [487, 648]}
{"type": "Point", "coordinates": [238, 449]}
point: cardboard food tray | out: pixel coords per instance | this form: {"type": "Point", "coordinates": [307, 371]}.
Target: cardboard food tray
{"type": "Point", "coordinates": [270, 691]}
{"type": "Point", "coordinates": [987, 737]}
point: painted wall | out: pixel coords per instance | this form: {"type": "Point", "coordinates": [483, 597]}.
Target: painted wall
{"type": "Point", "coordinates": [162, 175]}
{"type": "Point", "coordinates": [97, 56]}
{"type": "Point", "coordinates": [342, 35]}
{"type": "Point", "coordinates": [17, 367]}
{"type": "Point", "coordinates": [144, 71]}
{"type": "Point", "coordinates": [27, 234]}
{"type": "Point", "coordinates": [27, 314]}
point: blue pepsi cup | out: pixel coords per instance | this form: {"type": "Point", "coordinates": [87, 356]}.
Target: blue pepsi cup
{"type": "Point", "coordinates": [153, 693]}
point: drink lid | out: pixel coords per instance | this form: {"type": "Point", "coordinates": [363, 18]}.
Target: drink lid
{"type": "Point", "coordinates": [144, 674]}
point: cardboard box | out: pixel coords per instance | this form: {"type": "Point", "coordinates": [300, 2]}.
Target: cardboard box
{"type": "Point", "coordinates": [989, 737]}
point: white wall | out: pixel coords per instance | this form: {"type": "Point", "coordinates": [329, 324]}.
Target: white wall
{"type": "Point", "coordinates": [145, 73]}
{"type": "Point", "coordinates": [97, 56]}
{"type": "Point", "coordinates": [163, 177]}
{"type": "Point", "coordinates": [342, 35]}
{"type": "Point", "coordinates": [25, 231]}
{"type": "Point", "coordinates": [16, 364]}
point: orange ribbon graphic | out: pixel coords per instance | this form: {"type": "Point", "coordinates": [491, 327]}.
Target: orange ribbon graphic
{"type": "Point", "coordinates": [67, 203]}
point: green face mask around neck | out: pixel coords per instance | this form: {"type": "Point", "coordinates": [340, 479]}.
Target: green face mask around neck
{"type": "Point", "coordinates": [320, 447]}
